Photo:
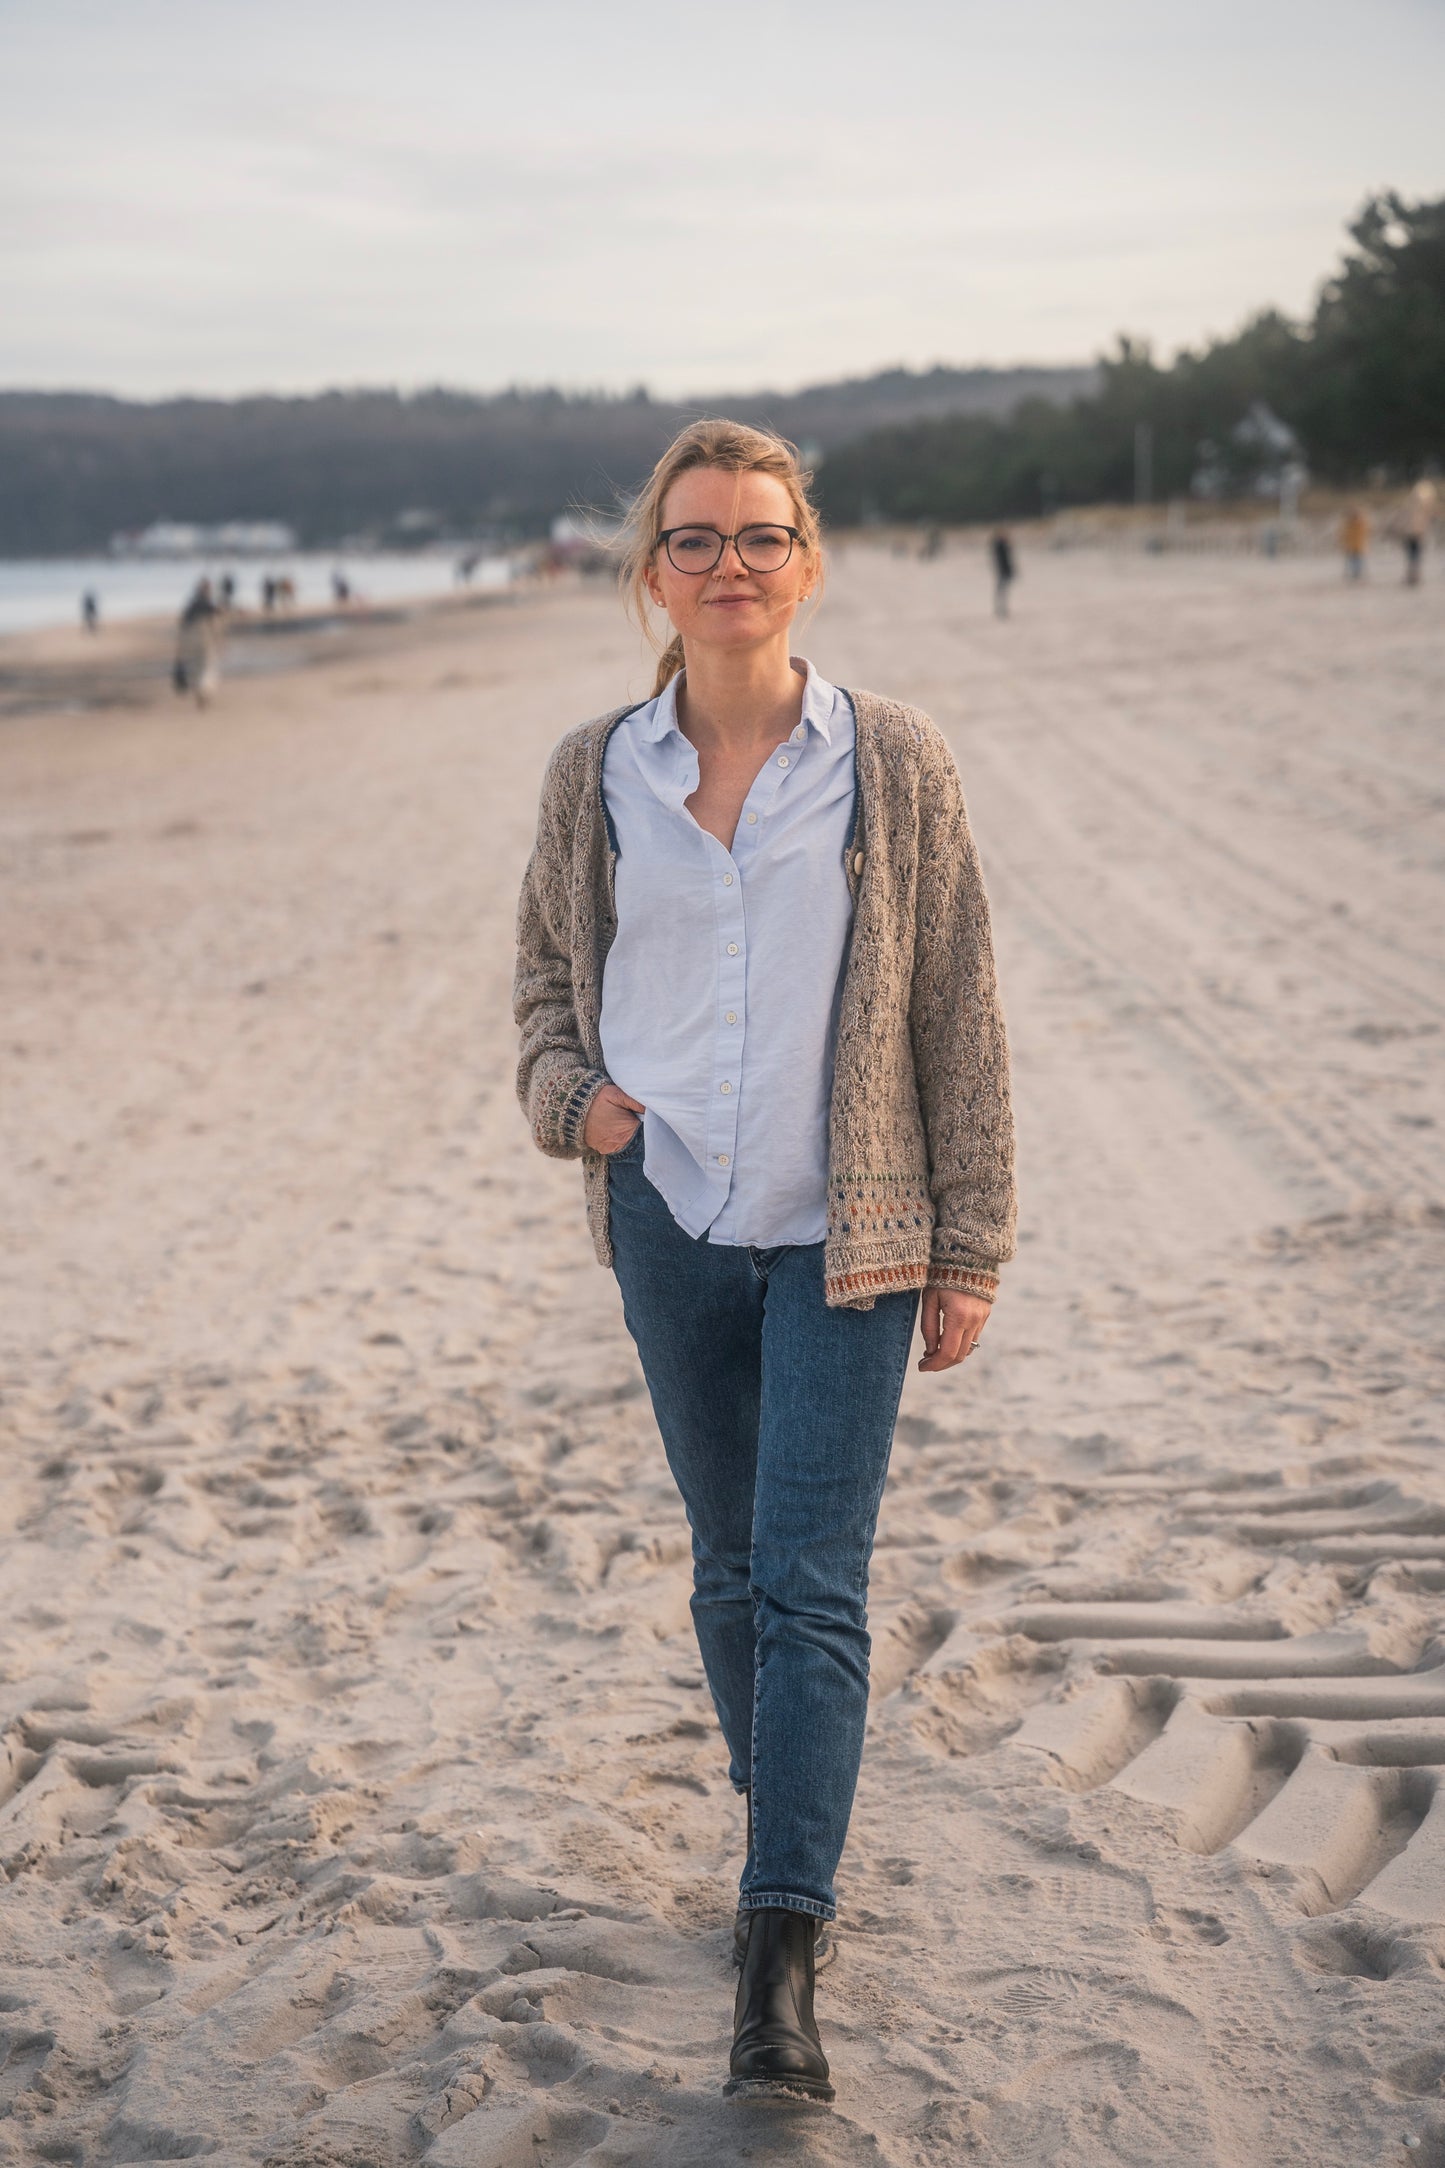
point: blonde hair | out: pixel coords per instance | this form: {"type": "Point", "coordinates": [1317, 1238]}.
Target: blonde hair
{"type": "Point", "coordinates": [735, 449]}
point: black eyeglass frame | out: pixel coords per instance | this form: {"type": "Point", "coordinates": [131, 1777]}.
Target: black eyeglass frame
{"type": "Point", "coordinates": [700, 572]}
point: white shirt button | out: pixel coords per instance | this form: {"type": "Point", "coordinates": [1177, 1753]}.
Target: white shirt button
{"type": "Point", "coordinates": [732, 948]}
{"type": "Point", "coordinates": [722, 1159]}
{"type": "Point", "coordinates": [752, 820]}
{"type": "Point", "coordinates": [727, 880]}
{"type": "Point", "coordinates": [732, 1016]}
{"type": "Point", "coordinates": [724, 1087]}
{"type": "Point", "coordinates": [782, 760]}
{"type": "Point", "coordinates": [798, 735]}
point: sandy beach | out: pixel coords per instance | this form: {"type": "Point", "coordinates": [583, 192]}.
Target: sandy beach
{"type": "Point", "coordinates": [360, 1798]}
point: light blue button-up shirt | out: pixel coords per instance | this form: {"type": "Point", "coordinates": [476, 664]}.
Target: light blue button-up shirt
{"type": "Point", "coordinates": [721, 987]}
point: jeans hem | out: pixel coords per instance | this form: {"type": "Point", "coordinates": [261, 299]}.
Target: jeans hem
{"type": "Point", "coordinates": [785, 1901]}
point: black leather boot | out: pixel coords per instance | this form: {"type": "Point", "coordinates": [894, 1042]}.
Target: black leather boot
{"type": "Point", "coordinates": [775, 2039]}
{"type": "Point", "coordinates": [824, 1947]}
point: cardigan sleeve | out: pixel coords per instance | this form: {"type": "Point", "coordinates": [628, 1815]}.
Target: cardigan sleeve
{"type": "Point", "coordinates": [556, 1082]}
{"type": "Point", "coordinates": [960, 1048]}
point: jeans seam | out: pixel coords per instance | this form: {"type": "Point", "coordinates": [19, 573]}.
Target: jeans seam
{"type": "Point", "coordinates": [861, 1583]}
{"type": "Point", "coordinates": [883, 1480]}
{"type": "Point", "coordinates": [753, 1733]}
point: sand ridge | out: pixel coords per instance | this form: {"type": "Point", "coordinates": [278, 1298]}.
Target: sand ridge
{"type": "Point", "coordinates": [360, 1798]}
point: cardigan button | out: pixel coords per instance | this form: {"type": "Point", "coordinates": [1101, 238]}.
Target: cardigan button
{"type": "Point", "coordinates": [859, 861]}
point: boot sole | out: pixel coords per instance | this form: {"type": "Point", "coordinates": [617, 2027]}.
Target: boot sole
{"type": "Point", "coordinates": [812, 2089]}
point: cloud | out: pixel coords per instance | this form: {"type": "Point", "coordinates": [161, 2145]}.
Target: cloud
{"type": "Point", "coordinates": [287, 197]}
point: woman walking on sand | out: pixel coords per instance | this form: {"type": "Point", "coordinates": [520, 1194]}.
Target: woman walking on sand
{"type": "Point", "coordinates": [197, 667]}
{"type": "Point", "coordinates": [756, 996]}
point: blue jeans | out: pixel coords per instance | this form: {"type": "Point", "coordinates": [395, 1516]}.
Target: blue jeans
{"type": "Point", "coordinates": [777, 1417]}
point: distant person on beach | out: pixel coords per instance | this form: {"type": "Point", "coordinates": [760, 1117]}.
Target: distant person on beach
{"type": "Point", "coordinates": [90, 610]}
{"type": "Point", "coordinates": [198, 646]}
{"type": "Point", "coordinates": [340, 589]}
{"type": "Point", "coordinates": [228, 590]}
{"type": "Point", "coordinates": [1001, 552]}
{"type": "Point", "coordinates": [1355, 540]}
{"type": "Point", "coordinates": [278, 592]}
{"type": "Point", "coordinates": [755, 989]}
{"type": "Point", "coordinates": [1413, 527]}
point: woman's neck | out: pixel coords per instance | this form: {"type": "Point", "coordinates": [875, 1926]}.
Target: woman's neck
{"type": "Point", "coordinates": [738, 699]}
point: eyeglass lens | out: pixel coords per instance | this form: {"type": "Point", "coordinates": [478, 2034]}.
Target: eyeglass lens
{"type": "Point", "coordinates": [698, 549]}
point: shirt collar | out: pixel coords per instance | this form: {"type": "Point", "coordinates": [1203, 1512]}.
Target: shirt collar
{"type": "Point", "coordinates": [656, 726]}
{"type": "Point", "coordinates": [819, 698]}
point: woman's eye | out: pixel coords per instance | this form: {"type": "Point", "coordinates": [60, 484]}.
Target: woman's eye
{"type": "Point", "coordinates": [693, 545]}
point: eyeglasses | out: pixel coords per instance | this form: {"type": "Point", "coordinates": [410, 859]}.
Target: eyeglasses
{"type": "Point", "coordinates": [700, 549]}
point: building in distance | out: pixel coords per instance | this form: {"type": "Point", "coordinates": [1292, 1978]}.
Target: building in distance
{"type": "Point", "coordinates": [188, 538]}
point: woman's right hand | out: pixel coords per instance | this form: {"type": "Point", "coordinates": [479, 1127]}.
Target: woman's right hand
{"type": "Point", "coordinates": [612, 1120]}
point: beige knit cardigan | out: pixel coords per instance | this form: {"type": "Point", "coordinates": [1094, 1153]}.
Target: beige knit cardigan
{"type": "Point", "coordinates": [920, 1142]}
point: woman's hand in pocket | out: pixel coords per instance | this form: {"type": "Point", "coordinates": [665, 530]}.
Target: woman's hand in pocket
{"type": "Point", "coordinates": [611, 1120]}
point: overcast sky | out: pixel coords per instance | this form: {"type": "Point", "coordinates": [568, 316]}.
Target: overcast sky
{"type": "Point", "coordinates": [287, 194]}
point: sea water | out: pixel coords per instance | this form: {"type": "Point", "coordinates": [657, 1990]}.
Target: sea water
{"type": "Point", "coordinates": [40, 591]}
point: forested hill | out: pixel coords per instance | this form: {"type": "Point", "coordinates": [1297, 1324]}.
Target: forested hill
{"type": "Point", "coordinates": [1354, 393]}
{"type": "Point", "coordinates": [76, 468]}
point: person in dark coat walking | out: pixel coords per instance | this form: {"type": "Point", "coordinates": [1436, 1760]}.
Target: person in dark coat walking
{"type": "Point", "coordinates": [1005, 571]}
{"type": "Point", "coordinates": [197, 667]}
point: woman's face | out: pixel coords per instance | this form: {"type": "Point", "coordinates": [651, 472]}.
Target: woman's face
{"type": "Point", "coordinates": [730, 606]}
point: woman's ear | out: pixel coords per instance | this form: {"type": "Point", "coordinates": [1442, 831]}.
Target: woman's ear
{"type": "Point", "coordinates": [654, 584]}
